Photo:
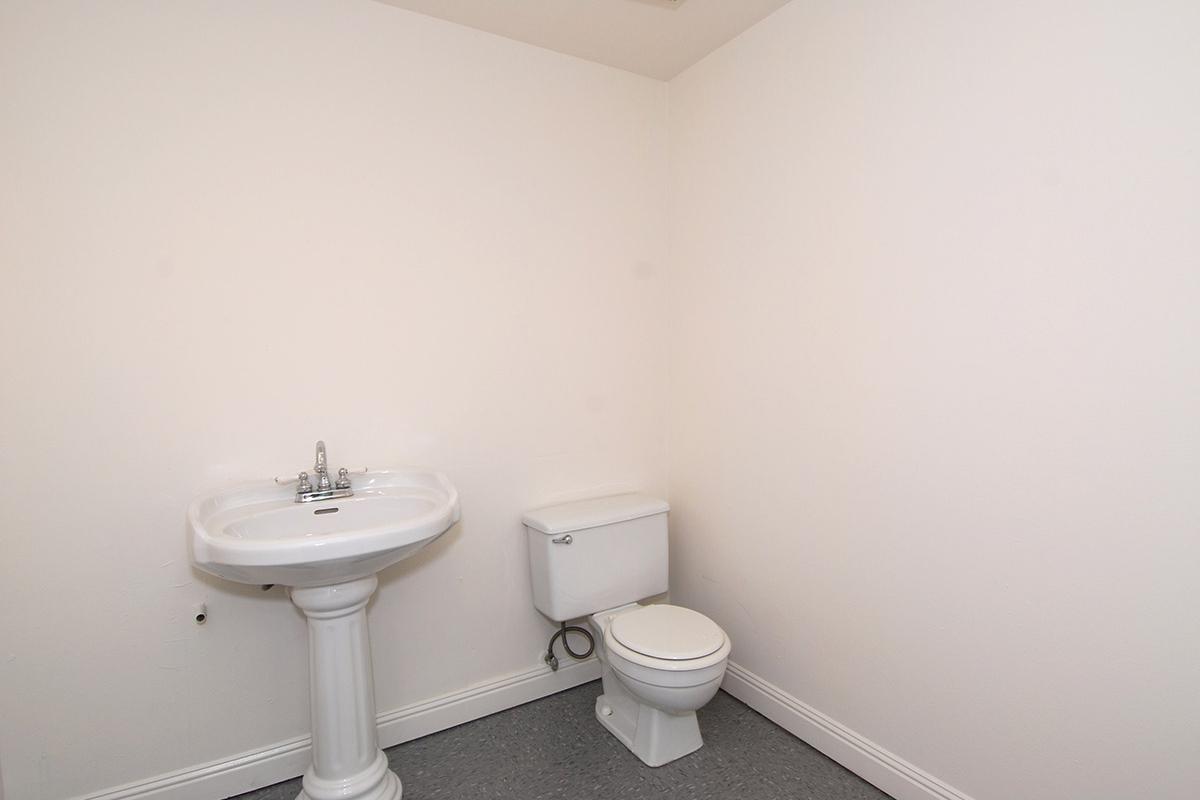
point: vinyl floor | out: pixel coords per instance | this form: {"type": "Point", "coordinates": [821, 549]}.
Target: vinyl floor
{"type": "Point", "coordinates": [554, 748]}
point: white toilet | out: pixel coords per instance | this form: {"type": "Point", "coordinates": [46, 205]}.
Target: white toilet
{"type": "Point", "coordinates": [594, 559]}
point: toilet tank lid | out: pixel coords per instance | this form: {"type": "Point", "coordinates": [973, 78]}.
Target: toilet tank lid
{"type": "Point", "coordinates": [583, 514]}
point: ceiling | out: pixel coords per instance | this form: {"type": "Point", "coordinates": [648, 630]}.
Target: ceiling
{"type": "Point", "coordinates": [658, 38]}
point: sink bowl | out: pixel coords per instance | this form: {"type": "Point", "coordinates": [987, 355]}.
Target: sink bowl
{"type": "Point", "coordinates": [256, 533]}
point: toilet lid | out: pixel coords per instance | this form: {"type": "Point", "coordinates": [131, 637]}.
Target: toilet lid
{"type": "Point", "coordinates": [668, 632]}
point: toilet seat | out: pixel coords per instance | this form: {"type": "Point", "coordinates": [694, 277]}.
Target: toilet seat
{"type": "Point", "coordinates": [667, 637]}
{"type": "Point", "coordinates": [670, 632]}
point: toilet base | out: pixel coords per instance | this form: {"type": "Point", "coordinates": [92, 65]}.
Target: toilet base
{"type": "Point", "coordinates": [654, 736]}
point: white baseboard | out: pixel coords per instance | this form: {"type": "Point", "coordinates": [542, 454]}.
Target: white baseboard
{"type": "Point", "coordinates": [858, 754]}
{"type": "Point", "coordinates": [284, 760]}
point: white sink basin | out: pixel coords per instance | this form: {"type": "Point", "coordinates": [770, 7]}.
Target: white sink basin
{"type": "Point", "coordinates": [257, 533]}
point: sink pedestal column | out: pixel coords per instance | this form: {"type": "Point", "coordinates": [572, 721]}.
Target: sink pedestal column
{"type": "Point", "coordinates": [347, 762]}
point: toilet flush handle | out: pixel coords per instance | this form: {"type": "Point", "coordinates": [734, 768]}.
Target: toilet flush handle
{"type": "Point", "coordinates": [563, 539]}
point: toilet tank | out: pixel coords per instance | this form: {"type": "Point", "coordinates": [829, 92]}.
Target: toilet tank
{"type": "Point", "coordinates": [597, 554]}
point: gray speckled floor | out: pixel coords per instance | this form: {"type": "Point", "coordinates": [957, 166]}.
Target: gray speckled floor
{"type": "Point", "coordinates": [555, 748]}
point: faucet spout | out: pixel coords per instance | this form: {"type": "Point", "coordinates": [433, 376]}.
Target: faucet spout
{"type": "Point", "coordinates": [322, 470]}
{"type": "Point", "coordinates": [319, 467]}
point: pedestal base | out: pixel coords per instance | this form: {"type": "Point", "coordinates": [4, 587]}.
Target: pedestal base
{"type": "Point", "coordinates": [391, 791]}
{"type": "Point", "coordinates": [375, 783]}
{"type": "Point", "coordinates": [347, 762]}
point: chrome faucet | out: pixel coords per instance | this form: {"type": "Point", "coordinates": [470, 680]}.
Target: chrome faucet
{"type": "Point", "coordinates": [320, 468]}
{"type": "Point", "coordinates": [325, 489]}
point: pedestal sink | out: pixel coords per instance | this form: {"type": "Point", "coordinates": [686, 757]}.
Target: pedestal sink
{"type": "Point", "coordinates": [327, 552]}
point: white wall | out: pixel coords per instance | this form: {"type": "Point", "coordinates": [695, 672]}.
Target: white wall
{"type": "Point", "coordinates": [932, 326]}
{"type": "Point", "coordinates": [935, 405]}
{"type": "Point", "coordinates": [228, 229]}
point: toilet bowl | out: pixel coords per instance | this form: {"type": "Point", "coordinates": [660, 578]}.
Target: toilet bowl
{"type": "Point", "coordinates": [661, 663]}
